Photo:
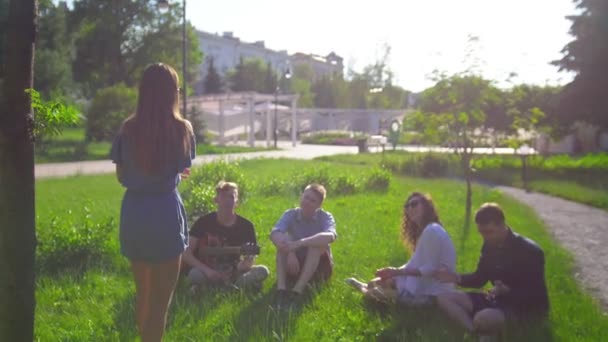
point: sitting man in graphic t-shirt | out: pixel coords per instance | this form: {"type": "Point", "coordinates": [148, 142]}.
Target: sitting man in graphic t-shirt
{"type": "Point", "coordinates": [207, 259]}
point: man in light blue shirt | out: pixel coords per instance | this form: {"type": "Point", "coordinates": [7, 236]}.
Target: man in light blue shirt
{"type": "Point", "coordinates": [302, 237]}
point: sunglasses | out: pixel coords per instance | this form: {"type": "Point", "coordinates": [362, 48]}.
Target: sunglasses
{"type": "Point", "coordinates": [412, 204]}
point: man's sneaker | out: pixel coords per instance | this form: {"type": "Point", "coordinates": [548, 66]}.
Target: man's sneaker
{"type": "Point", "coordinates": [280, 299]}
{"type": "Point", "coordinates": [288, 300]}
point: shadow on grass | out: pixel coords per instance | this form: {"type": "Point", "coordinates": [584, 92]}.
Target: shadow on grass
{"type": "Point", "coordinates": [416, 324]}
{"type": "Point", "coordinates": [430, 324]}
{"type": "Point", "coordinates": [124, 318]}
{"type": "Point", "coordinates": [198, 305]}
{"type": "Point", "coordinates": [262, 315]}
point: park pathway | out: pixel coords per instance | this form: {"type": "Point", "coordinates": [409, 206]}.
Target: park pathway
{"type": "Point", "coordinates": [581, 229]}
{"type": "Point", "coordinates": [300, 151]}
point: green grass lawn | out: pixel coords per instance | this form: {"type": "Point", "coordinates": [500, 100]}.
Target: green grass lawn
{"type": "Point", "coordinates": [589, 188]}
{"type": "Point", "coordinates": [71, 146]}
{"type": "Point", "coordinates": [97, 303]}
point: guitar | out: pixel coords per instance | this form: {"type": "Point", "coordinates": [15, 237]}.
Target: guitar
{"type": "Point", "coordinates": [246, 249]}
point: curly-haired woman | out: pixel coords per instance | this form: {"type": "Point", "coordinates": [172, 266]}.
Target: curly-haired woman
{"type": "Point", "coordinates": [431, 249]}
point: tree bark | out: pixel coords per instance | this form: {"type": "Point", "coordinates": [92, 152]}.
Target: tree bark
{"type": "Point", "coordinates": [467, 151]}
{"type": "Point", "coordinates": [17, 208]}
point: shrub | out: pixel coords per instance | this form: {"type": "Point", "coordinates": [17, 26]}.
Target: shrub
{"type": "Point", "coordinates": [378, 179]}
{"type": "Point", "coordinates": [334, 137]}
{"type": "Point", "coordinates": [343, 184]}
{"type": "Point", "coordinates": [318, 174]}
{"type": "Point", "coordinates": [68, 245]}
{"type": "Point", "coordinates": [109, 108]}
{"type": "Point", "coordinates": [433, 165]}
{"type": "Point", "coordinates": [274, 187]}
{"type": "Point", "coordinates": [198, 191]}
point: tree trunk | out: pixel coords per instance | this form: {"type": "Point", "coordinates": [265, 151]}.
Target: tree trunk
{"type": "Point", "coordinates": [467, 151]}
{"type": "Point", "coordinates": [466, 165]}
{"type": "Point", "coordinates": [17, 210]}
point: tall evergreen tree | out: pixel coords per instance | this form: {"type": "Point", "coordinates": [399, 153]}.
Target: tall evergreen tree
{"type": "Point", "coordinates": [585, 97]}
{"type": "Point", "coordinates": [213, 81]}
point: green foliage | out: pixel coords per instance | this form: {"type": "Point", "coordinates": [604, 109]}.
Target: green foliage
{"type": "Point", "coordinates": [584, 99]}
{"type": "Point", "coordinates": [213, 81]}
{"type": "Point", "coordinates": [50, 116]}
{"type": "Point", "coordinates": [115, 41]}
{"type": "Point", "coordinates": [303, 89]}
{"type": "Point", "coordinates": [337, 182]}
{"type": "Point", "coordinates": [53, 64]}
{"type": "Point", "coordinates": [109, 108]}
{"type": "Point", "coordinates": [428, 165]}
{"type": "Point", "coordinates": [198, 124]}
{"type": "Point", "coordinates": [249, 75]}
{"type": "Point", "coordinates": [332, 137]}
{"type": "Point", "coordinates": [198, 191]}
{"type": "Point", "coordinates": [378, 179]}
{"type": "Point", "coordinates": [68, 243]}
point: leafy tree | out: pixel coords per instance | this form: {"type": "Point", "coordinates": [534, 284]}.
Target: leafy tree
{"type": "Point", "coordinates": [453, 111]}
{"type": "Point", "coordinates": [109, 108]}
{"type": "Point", "coordinates": [270, 81]}
{"type": "Point", "coordinates": [303, 89]}
{"type": "Point", "coordinates": [249, 75]}
{"type": "Point", "coordinates": [198, 124]}
{"type": "Point", "coordinates": [324, 94]}
{"type": "Point", "coordinates": [531, 108]}
{"type": "Point", "coordinates": [115, 40]}
{"type": "Point", "coordinates": [53, 72]}
{"type": "Point", "coordinates": [50, 117]}
{"type": "Point", "coordinates": [584, 99]}
{"type": "Point", "coordinates": [358, 91]}
{"type": "Point", "coordinates": [17, 195]}
{"type": "Point", "coordinates": [213, 81]}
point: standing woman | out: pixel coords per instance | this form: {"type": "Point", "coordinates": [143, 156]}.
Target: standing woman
{"type": "Point", "coordinates": [152, 151]}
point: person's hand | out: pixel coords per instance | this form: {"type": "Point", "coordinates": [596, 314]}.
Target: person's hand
{"type": "Point", "coordinates": [185, 174]}
{"type": "Point", "coordinates": [217, 276]}
{"type": "Point", "coordinates": [444, 275]}
{"type": "Point", "coordinates": [499, 289]}
{"type": "Point", "coordinates": [288, 246]}
{"type": "Point", "coordinates": [387, 272]}
{"type": "Point", "coordinates": [293, 264]}
{"type": "Point", "coordinates": [244, 265]}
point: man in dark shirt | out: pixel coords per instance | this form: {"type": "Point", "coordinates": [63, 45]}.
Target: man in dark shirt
{"type": "Point", "coordinates": [515, 266]}
{"type": "Point", "coordinates": [217, 230]}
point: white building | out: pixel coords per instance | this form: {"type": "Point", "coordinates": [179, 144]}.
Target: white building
{"type": "Point", "coordinates": [227, 50]}
{"type": "Point", "coordinates": [328, 66]}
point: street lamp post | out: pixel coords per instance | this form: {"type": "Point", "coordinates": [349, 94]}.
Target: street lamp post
{"type": "Point", "coordinates": [524, 151]}
{"type": "Point", "coordinates": [163, 5]}
{"type": "Point", "coordinates": [287, 75]}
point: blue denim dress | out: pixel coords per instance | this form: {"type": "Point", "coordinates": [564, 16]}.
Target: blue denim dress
{"type": "Point", "coordinates": [153, 225]}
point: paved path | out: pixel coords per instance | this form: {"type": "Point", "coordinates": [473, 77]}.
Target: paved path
{"type": "Point", "coordinates": [106, 166]}
{"type": "Point", "coordinates": [581, 229]}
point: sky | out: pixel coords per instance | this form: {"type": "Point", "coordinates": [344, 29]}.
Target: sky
{"type": "Point", "coordinates": [516, 36]}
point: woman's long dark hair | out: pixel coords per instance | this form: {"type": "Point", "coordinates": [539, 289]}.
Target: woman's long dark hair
{"type": "Point", "coordinates": [157, 132]}
{"type": "Point", "coordinates": [410, 231]}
